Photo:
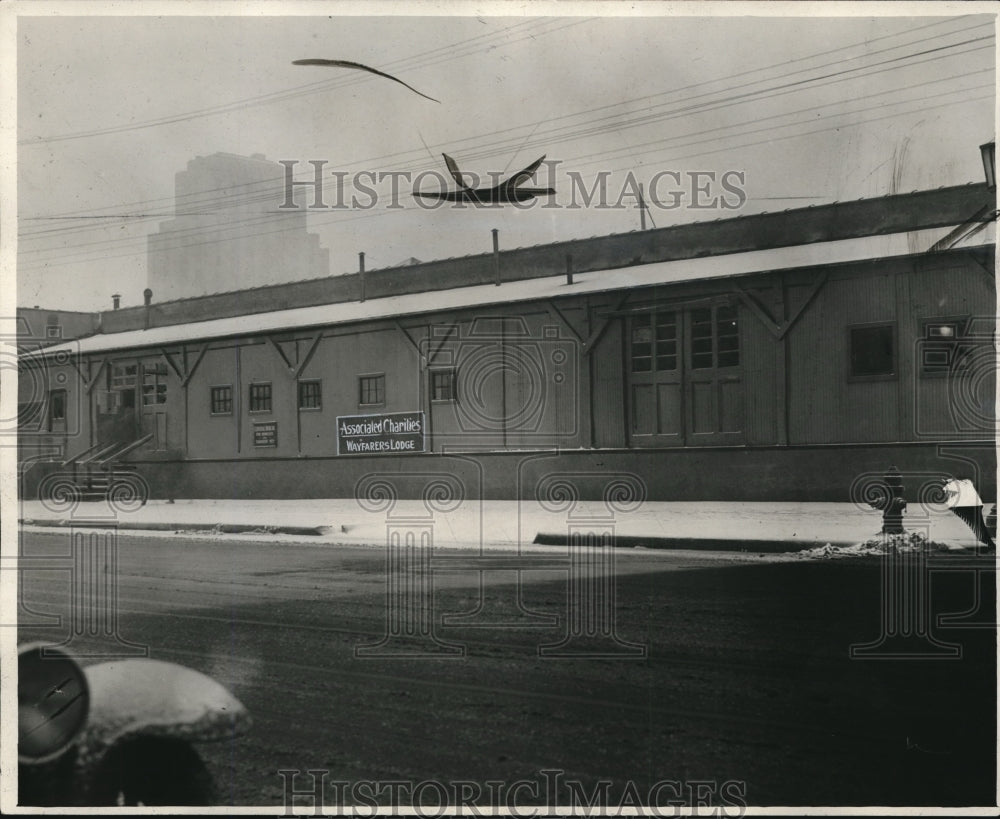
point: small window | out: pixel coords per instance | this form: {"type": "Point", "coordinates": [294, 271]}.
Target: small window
{"type": "Point", "coordinates": [57, 405]}
{"type": "Point", "coordinates": [442, 385]}
{"type": "Point", "coordinates": [942, 344]}
{"type": "Point", "coordinates": [265, 434]}
{"type": "Point", "coordinates": [372, 389]}
{"type": "Point", "coordinates": [53, 331]}
{"type": "Point", "coordinates": [310, 395]}
{"type": "Point", "coordinates": [154, 384]}
{"type": "Point", "coordinates": [123, 376]}
{"type": "Point", "coordinates": [222, 400]}
{"type": "Point", "coordinates": [873, 351]}
{"type": "Point", "coordinates": [260, 398]}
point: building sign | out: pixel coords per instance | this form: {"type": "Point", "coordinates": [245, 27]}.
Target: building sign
{"type": "Point", "coordinates": [380, 434]}
{"type": "Point", "coordinates": [265, 434]}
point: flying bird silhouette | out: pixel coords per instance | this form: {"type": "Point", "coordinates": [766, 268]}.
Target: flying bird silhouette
{"type": "Point", "coordinates": [506, 192]}
{"type": "Point", "coordinates": [360, 67]}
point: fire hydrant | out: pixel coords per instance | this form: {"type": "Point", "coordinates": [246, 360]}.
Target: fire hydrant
{"type": "Point", "coordinates": [895, 505]}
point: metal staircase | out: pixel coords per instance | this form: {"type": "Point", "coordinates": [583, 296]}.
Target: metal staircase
{"type": "Point", "coordinates": [98, 472]}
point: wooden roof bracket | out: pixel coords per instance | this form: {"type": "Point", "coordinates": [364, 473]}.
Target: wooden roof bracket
{"type": "Point", "coordinates": [779, 331]}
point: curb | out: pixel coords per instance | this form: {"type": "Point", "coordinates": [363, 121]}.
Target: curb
{"type": "Point", "coordinates": [542, 538]}
{"type": "Point", "coordinates": [692, 543]}
{"type": "Point", "coordinates": [223, 528]}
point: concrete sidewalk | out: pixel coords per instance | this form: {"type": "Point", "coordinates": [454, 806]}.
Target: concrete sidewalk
{"type": "Point", "coordinates": [716, 525]}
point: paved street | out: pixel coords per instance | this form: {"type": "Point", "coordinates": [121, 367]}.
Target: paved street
{"type": "Point", "coordinates": [747, 676]}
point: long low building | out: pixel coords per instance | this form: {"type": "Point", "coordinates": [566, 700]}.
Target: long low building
{"type": "Point", "coordinates": [772, 356]}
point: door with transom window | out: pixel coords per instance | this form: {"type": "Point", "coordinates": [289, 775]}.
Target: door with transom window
{"type": "Point", "coordinates": [685, 377]}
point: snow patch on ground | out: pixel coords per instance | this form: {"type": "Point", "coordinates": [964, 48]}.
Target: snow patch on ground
{"type": "Point", "coordinates": [909, 542]}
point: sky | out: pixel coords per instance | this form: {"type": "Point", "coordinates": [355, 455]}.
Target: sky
{"type": "Point", "coordinates": [792, 111]}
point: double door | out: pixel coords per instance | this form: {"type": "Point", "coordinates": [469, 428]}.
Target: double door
{"type": "Point", "coordinates": [685, 377]}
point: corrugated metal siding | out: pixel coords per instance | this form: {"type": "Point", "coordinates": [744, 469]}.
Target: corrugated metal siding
{"type": "Point", "coordinates": [259, 364]}
{"type": "Point", "coordinates": [825, 405]}
{"type": "Point", "coordinates": [339, 362]}
{"type": "Point", "coordinates": [763, 390]}
{"type": "Point", "coordinates": [212, 436]}
{"type": "Point", "coordinates": [518, 371]}
{"type": "Point", "coordinates": [608, 402]}
{"type": "Point", "coordinates": [959, 404]}
{"type": "Point", "coordinates": [542, 382]}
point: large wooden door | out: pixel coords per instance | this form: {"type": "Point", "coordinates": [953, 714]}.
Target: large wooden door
{"type": "Point", "coordinates": [715, 377]}
{"type": "Point", "coordinates": [685, 377]}
{"type": "Point", "coordinates": [656, 379]}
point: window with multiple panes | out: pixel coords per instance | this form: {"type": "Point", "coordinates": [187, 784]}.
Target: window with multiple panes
{"type": "Point", "coordinates": [715, 337]}
{"type": "Point", "coordinates": [310, 395]}
{"type": "Point", "coordinates": [222, 400]}
{"type": "Point", "coordinates": [872, 351]}
{"type": "Point", "coordinates": [154, 384]}
{"type": "Point", "coordinates": [371, 389]}
{"type": "Point", "coordinates": [265, 434]}
{"type": "Point", "coordinates": [123, 376]}
{"type": "Point", "coordinates": [654, 342]}
{"type": "Point", "coordinates": [442, 385]}
{"type": "Point", "coordinates": [941, 345]}
{"type": "Point", "coordinates": [260, 397]}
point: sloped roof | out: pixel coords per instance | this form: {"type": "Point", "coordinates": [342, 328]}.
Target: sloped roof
{"type": "Point", "coordinates": [550, 287]}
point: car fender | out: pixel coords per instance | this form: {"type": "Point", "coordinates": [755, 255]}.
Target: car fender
{"type": "Point", "coordinates": [144, 697]}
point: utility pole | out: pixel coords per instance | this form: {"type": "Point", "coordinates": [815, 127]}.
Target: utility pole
{"type": "Point", "coordinates": [642, 210]}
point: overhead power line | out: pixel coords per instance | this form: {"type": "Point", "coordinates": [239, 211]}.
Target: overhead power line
{"type": "Point", "coordinates": [205, 199]}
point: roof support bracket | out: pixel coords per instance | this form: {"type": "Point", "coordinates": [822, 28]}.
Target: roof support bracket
{"type": "Point", "coordinates": [602, 325]}
{"type": "Point", "coordinates": [779, 331]}
{"type": "Point", "coordinates": [754, 307]}
{"type": "Point", "coordinates": [173, 364]}
{"type": "Point", "coordinates": [88, 383]}
{"type": "Point", "coordinates": [288, 364]}
{"type": "Point", "coordinates": [194, 366]}
{"type": "Point", "coordinates": [433, 353]}
{"type": "Point", "coordinates": [558, 315]}
{"type": "Point", "coordinates": [309, 354]}
{"type": "Point", "coordinates": [409, 338]}
{"type": "Point", "coordinates": [794, 317]}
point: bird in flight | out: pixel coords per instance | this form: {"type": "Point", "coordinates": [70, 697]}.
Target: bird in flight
{"type": "Point", "coordinates": [360, 67]}
{"type": "Point", "coordinates": [506, 192]}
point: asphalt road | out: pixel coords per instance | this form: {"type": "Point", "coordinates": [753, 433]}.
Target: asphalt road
{"type": "Point", "coordinates": [746, 686]}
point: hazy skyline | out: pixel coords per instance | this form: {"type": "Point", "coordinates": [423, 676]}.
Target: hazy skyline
{"type": "Point", "coordinates": [809, 110]}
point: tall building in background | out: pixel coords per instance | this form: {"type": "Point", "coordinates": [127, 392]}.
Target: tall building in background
{"type": "Point", "coordinates": [228, 232]}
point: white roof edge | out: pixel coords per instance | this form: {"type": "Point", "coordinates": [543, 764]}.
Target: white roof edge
{"type": "Point", "coordinates": [816, 254]}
